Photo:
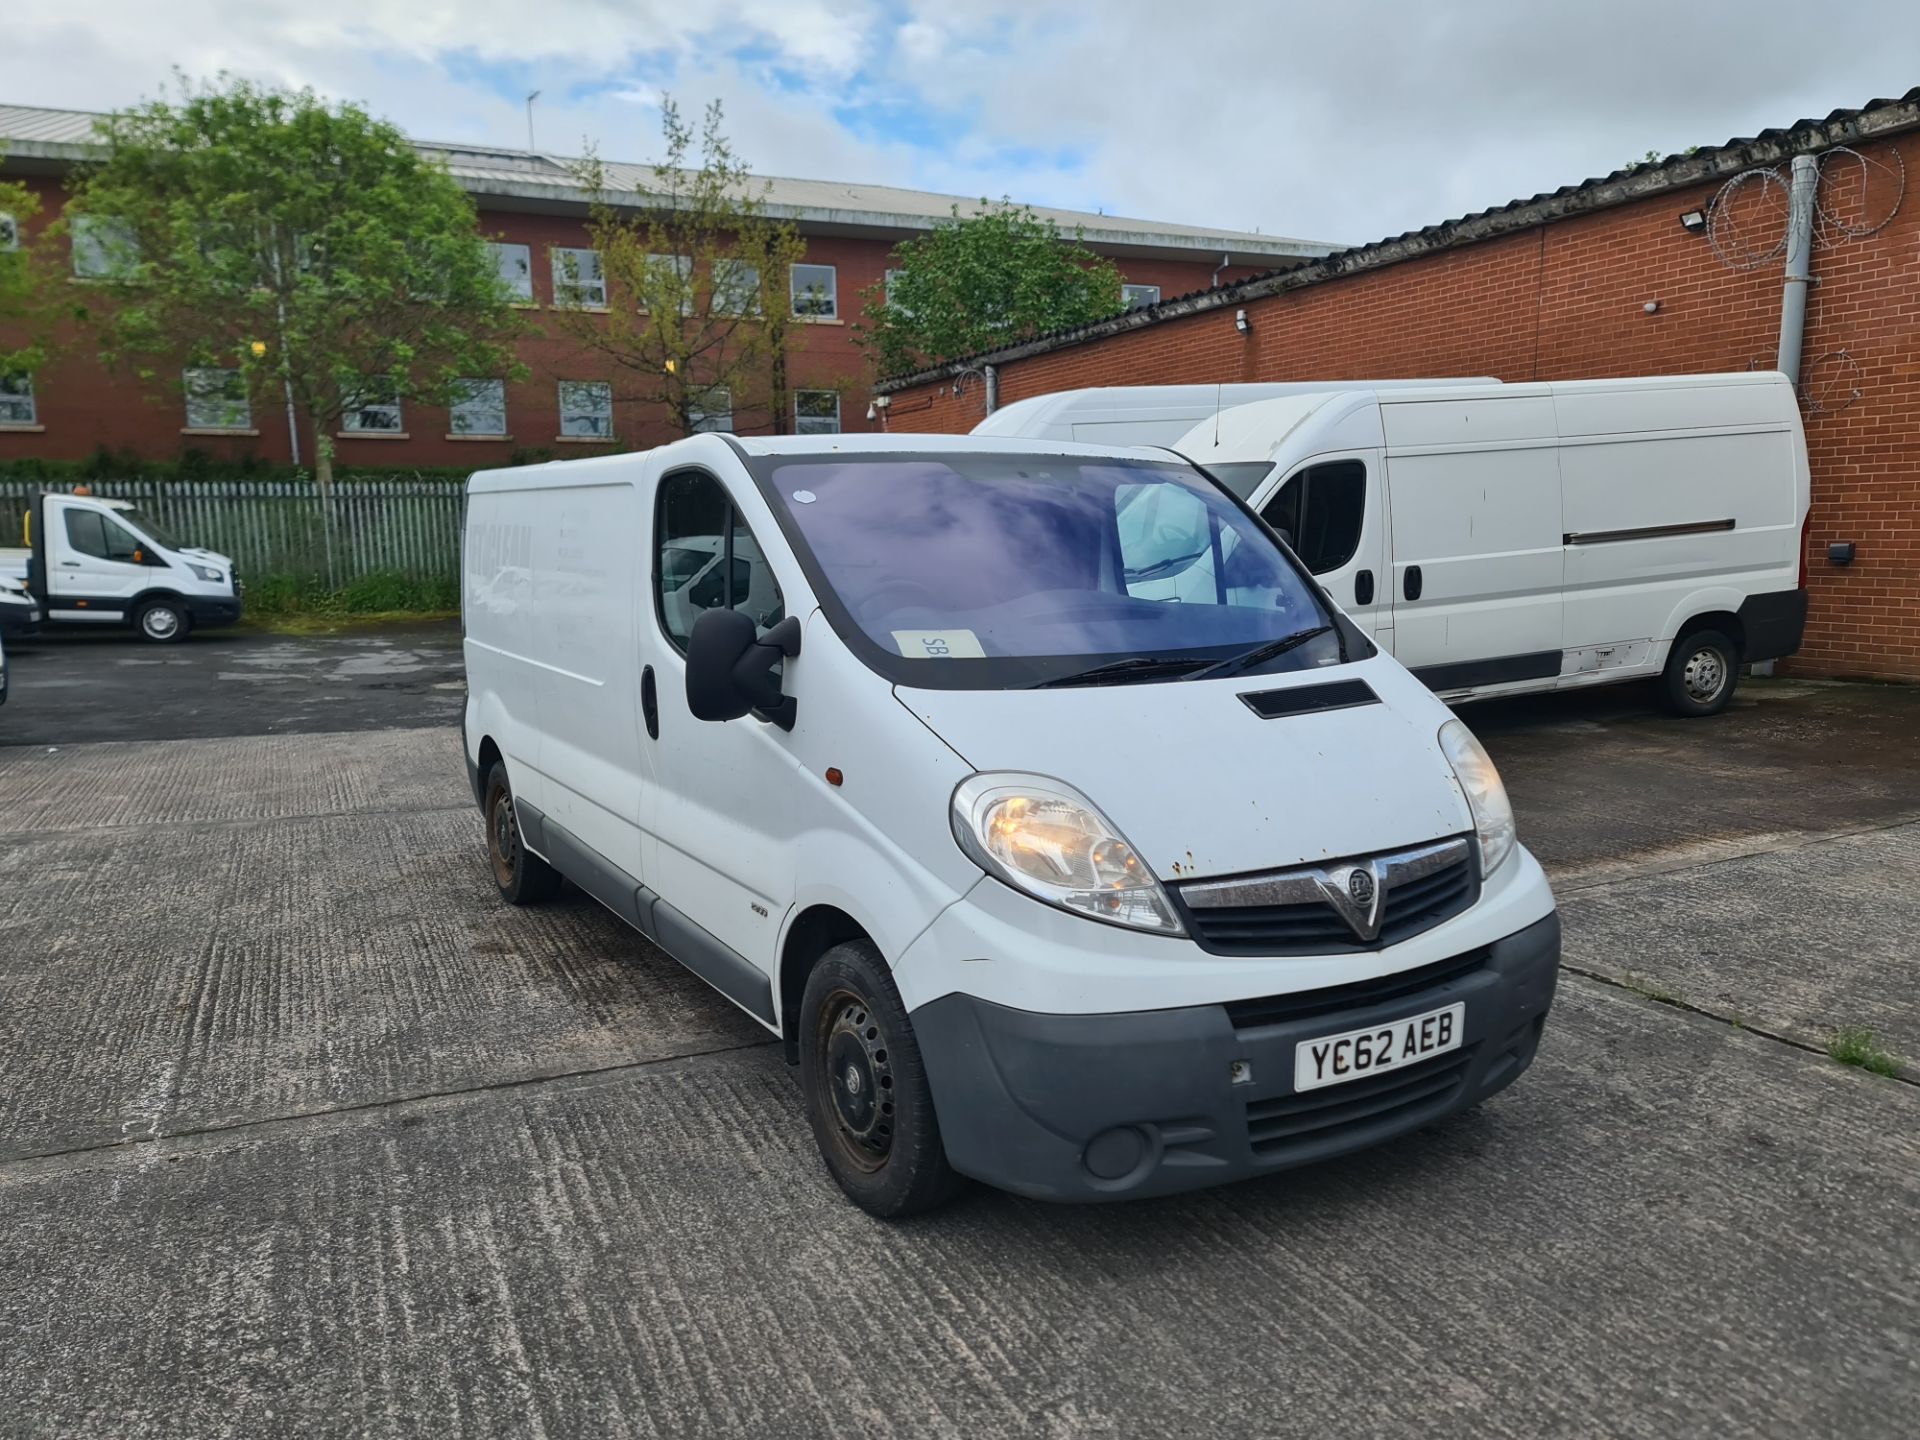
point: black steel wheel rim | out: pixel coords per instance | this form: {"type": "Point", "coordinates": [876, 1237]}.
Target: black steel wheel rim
{"type": "Point", "coordinates": [503, 836]}
{"type": "Point", "coordinates": [856, 1067]}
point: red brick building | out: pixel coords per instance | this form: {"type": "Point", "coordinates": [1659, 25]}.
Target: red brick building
{"type": "Point", "coordinates": [530, 206]}
{"type": "Point", "coordinates": [1617, 276]}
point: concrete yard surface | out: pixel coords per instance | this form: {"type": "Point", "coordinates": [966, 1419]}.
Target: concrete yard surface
{"type": "Point", "coordinates": [302, 1131]}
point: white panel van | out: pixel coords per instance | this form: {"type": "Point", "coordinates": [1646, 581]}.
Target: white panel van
{"type": "Point", "coordinates": [1031, 792]}
{"type": "Point", "coordinates": [1540, 537]}
{"type": "Point", "coordinates": [1158, 414]}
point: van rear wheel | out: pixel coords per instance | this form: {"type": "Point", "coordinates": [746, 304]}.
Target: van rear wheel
{"type": "Point", "coordinates": [1702, 671]}
{"type": "Point", "coordinates": [866, 1089]}
{"type": "Point", "coordinates": [523, 878]}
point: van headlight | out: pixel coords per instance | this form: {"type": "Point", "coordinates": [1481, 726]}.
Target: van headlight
{"type": "Point", "coordinates": [1045, 838]}
{"type": "Point", "coordinates": [206, 573]}
{"type": "Point", "coordinates": [1486, 796]}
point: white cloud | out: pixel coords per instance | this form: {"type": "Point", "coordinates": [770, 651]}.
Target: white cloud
{"type": "Point", "coordinates": [1347, 122]}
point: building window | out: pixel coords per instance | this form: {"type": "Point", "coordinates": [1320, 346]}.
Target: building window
{"type": "Point", "coordinates": [1139, 297]}
{"type": "Point", "coordinates": [816, 412]}
{"type": "Point", "coordinates": [892, 299]}
{"type": "Point", "coordinates": [515, 266]}
{"type": "Point", "coordinates": [9, 232]}
{"type": "Point", "coordinates": [670, 275]}
{"type": "Point", "coordinates": [586, 409]}
{"type": "Point", "coordinates": [736, 287]}
{"type": "Point", "coordinates": [375, 411]}
{"type": "Point", "coordinates": [579, 283]}
{"type": "Point", "coordinates": [479, 407]}
{"type": "Point", "coordinates": [103, 249]}
{"type": "Point", "coordinates": [16, 400]}
{"type": "Point", "coordinates": [216, 400]}
{"type": "Point", "coordinates": [711, 410]}
{"type": "Point", "coordinates": [816, 291]}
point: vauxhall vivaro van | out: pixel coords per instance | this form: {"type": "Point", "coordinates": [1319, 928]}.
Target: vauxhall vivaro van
{"type": "Point", "coordinates": [1034, 794]}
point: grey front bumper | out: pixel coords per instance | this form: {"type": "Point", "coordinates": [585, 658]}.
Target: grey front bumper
{"type": "Point", "coordinates": [1108, 1107]}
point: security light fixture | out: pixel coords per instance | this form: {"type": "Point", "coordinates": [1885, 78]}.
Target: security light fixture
{"type": "Point", "coordinates": [1694, 221]}
{"type": "Point", "coordinates": [1241, 323]}
{"type": "Point", "coordinates": [1652, 307]}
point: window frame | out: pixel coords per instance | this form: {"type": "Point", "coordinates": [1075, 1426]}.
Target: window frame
{"type": "Point", "coordinates": [832, 312]}
{"type": "Point", "coordinates": [103, 520]}
{"type": "Point", "coordinates": [1126, 298]}
{"type": "Point", "coordinates": [735, 520]}
{"type": "Point", "coordinates": [1304, 473]}
{"type": "Point", "coordinates": [798, 417]}
{"type": "Point", "coordinates": [515, 296]}
{"type": "Point", "coordinates": [226, 424]}
{"type": "Point", "coordinates": [350, 416]}
{"type": "Point", "coordinates": [703, 428]}
{"type": "Point", "coordinates": [29, 394]}
{"type": "Point", "coordinates": [454, 407]}
{"type": "Point", "coordinates": [560, 394]}
{"type": "Point", "coordinates": [560, 284]}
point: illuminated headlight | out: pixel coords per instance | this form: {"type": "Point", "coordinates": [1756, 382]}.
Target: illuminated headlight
{"type": "Point", "coordinates": [1046, 839]}
{"type": "Point", "coordinates": [1486, 796]}
{"type": "Point", "coordinates": [206, 573]}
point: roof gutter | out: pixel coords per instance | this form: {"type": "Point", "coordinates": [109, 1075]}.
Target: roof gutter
{"type": "Point", "coordinates": [1621, 188]}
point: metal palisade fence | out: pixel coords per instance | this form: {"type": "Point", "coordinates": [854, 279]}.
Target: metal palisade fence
{"type": "Point", "coordinates": [409, 528]}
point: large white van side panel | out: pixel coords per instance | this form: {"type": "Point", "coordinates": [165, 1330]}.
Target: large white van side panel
{"type": "Point", "coordinates": [497, 610]}
{"type": "Point", "coordinates": [1476, 508]}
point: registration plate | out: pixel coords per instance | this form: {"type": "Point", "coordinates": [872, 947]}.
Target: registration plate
{"type": "Point", "coordinates": [1336, 1059]}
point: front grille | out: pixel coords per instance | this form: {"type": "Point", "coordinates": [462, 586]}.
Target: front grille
{"type": "Point", "coordinates": [1287, 913]}
{"type": "Point", "coordinates": [1356, 995]}
{"type": "Point", "coordinates": [1315, 1117]}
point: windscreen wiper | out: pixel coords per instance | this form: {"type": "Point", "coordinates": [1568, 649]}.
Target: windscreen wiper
{"type": "Point", "coordinates": [1134, 667]}
{"type": "Point", "coordinates": [1235, 664]}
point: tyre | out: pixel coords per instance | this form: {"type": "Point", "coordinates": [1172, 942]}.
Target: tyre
{"type": "Point", "coordinates": [523, 877]}
{"type": "Point", "coordinates": [866, 1090]}
{"type": "Point", "coordinates": [163, 621]}
{"type": "Point", "coordinates": [1702, 671]}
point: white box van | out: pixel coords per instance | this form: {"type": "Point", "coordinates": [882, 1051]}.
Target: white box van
{"type": "Point", "coordinates": [91, 561]}
{"type": "Point", "coordinates": [1540, 537]}
{"type": "Point", "coordinates": [1043, 878]}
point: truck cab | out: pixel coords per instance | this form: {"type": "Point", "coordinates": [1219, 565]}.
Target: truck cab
{"type": "Point", "coordinates": [94, 561]}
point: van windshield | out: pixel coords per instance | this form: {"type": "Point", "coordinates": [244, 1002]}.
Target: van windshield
{"type": "Point", "coordinates": [992, 571]}
{"type": "Point", "coordinates": [144, 522]}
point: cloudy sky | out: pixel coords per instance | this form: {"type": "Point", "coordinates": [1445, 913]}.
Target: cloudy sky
{"type": "Point", "coordinates": [1343, 122]}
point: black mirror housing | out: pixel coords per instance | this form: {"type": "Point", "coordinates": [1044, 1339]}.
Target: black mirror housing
{"type": "Point", "coordinates": [730, 668]}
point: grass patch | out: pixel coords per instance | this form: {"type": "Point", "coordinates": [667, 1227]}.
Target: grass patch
{"type": "Point", "coordinates": [1651, 989]}
{"type": "Point", "coordinates": [306, 622]}
{"type": "Point", "coordinates": [1855, 1047]}
{"type": "Point", "coordinates": [284, 597]}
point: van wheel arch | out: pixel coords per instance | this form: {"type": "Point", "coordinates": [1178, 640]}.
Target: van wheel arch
{"type": "Point", "coordinates": [489, 757]}
{"type": "Point", "coordinates": [814, 932]}
{"type": "Point", "coordinates": [1725, 621]}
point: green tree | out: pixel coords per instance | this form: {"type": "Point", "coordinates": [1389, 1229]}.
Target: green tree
{"type": "Point", "coordinates": [24, 307]}
{"type": "Point", "coordinates": [693, 279]}
{"type": "Point", "coordinates": [307, 250]}
{"type": "Point", "coordinates": [980, 281]}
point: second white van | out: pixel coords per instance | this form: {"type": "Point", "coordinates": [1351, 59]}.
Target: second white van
{"type": "Point", "coordinates": [1031, 793]}
{"type": "Point", "coordinates": [1501, 540]}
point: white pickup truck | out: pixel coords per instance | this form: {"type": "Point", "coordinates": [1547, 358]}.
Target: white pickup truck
{"type": "Point", "coordinates": [93, 561]}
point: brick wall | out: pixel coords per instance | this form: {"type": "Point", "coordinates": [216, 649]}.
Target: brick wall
{"type": "Point", "coordinates": [1565, 301]}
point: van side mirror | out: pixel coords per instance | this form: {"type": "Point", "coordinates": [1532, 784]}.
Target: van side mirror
{"type": "Point", "coordinates": [730, 667]}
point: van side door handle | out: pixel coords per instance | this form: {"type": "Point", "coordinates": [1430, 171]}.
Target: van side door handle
{"type": "Point", "coordinates": [650, 703]}
{"type": "Point", "coordinates": [1363, 588]}
{"type": "Point", "coordinates": [1410, 583]}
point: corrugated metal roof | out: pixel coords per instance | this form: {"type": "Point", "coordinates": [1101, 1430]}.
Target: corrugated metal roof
{"type": "Point", "coordinates": [1636, 182]}
{"type": "Point", "coordinates": [68, 135]}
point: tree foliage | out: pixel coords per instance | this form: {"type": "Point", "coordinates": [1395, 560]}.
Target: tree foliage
{"type": "Point", "coordinates": [977, 282]}
{"type": "Point", "coordinates": [25, 307]}
{"type": "Point", "coordinates": [696, 276]}
{"type": "Point", "coordinates": [309, 248]}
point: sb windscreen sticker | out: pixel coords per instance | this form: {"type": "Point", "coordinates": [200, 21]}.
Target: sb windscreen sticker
{"type": "Point", "coordinates": [939, 644]}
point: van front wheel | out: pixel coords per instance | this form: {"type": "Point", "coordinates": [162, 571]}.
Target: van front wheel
{"type": "Point", "coordinates": [1702, 671]}
{"type": "Point", "coordinates": [163, 622]}
{"type": "Point", "coordinates": [522, 877]}
{"type": "Point", "coordinates": [866, 1090]}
